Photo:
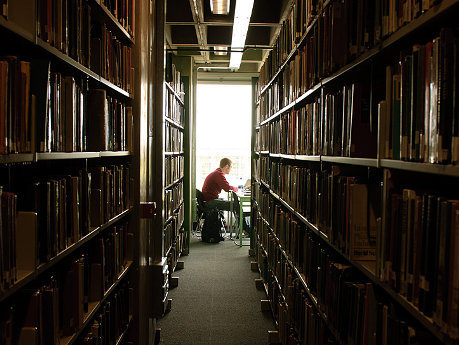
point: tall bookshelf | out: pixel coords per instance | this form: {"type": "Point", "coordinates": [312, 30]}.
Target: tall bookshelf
{"type": "Point", "coordinates": [170, 184]}
{"type": "Point", "coordinates": [174, 236]}
{"type": "Point", "coordinates": [67, 171]}
{"type": "Point", "coordinates": [354, 173]}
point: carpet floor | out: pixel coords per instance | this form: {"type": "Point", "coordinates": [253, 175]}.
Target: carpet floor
{"type": "Point", "coordinates": [216, 300]}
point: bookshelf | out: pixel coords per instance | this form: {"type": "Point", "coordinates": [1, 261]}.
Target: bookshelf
{"type": "Point", "coordinates": [175, 237]}
{"type": "Point", "coordinates": [171, 183]}
{"type": "Point", "coordinates": [67, 172]}
{"type": "Point", "coordinates": [353, 173]}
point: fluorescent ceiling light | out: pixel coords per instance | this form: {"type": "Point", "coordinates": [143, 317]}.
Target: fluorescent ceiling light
{"type": "Point", "coordinates": [242, 16]}
{"type": "Point", "coordinates": [220, 51]}
{"type": "Point", "coordinates": [219, 6]}
{"type": "Point", "coordinates": [235, 59]}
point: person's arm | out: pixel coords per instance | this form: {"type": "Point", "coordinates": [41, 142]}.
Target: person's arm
{"type": "Point", "coordinates": [223, 183]}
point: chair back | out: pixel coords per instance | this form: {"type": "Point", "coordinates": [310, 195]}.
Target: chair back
{"type": "Point", "coordinates": [200, 199]}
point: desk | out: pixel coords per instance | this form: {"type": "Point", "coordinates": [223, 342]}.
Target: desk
{"type": "Point", "coordinates": [245, 201]}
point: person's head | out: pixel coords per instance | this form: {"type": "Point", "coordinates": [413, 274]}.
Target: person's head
{"type": "Point", "coordinates": [226, 165]}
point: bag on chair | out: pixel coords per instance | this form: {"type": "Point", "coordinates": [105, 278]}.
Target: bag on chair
{"type": "Point", "coordinates": [213, 223]}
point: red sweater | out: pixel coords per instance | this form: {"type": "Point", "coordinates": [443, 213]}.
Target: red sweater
{"type": "Point", "coordinates": [214, 183]}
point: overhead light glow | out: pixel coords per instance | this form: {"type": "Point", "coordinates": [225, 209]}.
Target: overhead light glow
{"type": "Point", "coordinates": [220, 6]}
{"type": "Point", "coordinates": [220, 50]}
{"type": "Point", "coordinates": [235, 59]}
{"type": "Point", "coordinates": [242, 16]}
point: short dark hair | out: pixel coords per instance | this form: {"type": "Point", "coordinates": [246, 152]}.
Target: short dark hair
{"type": "Point", "coordinates": [224, 162]}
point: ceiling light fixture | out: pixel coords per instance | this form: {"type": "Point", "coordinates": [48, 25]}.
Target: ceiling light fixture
{"type": "Point", "coordinates": [242, 16]}
{"type": "Point", "coordinates": [220, 51]}
{"type": "Point", "coordinates": [220, 6]}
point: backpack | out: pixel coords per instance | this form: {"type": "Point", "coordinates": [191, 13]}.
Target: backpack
{"type": "Point", "coordinates": [213, 224]}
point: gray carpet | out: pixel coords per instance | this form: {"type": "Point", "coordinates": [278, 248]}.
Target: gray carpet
{"type": "Point", "coordinates": [216, 301]}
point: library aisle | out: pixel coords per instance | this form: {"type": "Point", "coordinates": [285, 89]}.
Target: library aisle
{"type": "Point", "coordinates": [216, 301]}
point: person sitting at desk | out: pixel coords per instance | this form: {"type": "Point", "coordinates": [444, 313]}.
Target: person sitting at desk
{"type": "Point", "coordinates": [213, 185]}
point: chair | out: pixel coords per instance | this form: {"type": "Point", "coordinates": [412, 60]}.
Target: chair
{"type": "Point", "coordinates": [202, 210]}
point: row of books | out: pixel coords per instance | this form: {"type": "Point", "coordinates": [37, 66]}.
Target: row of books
{"type": "Point", "coordinates": [172, 229]}
{"type": "Point", "coordinates": [112, 319]}
{"type": "Point", "coordinates": [174, 78]}
{"type": "Point", "coordinates": [61, 206]}
{"type": "Point", "coordinates": [44, 314]}
{"type": "Point", "coordinates": [124, 12]}
{"type": "Point", "coordinates": [416, 223]}
{"type": "Point", "coordinates": [419, 117]}
{"type": "Point", "coordinates": [110, 58]}
{"type": "Point", "coordinates": [110, 123]}
{"type": "Point", "coordinates": [174, 138]}
{"type": "Point", "coordinates": [174, 109]}
{"type": "Point", "coordinates": [419, 254]}
{"type": "Point", "coordinates": [338, 124]}
{"type": "Point", "coordinates": [299, 187]}
{"type": "Point", "coordinates": [15, 101]}
{"type": "Point", "coordinates": [270, 103]}
{"type": "Point", "coordinates": [176, 250]}
{"type": "Point", "coordinates": [293, 28]}
{"type": "Point", "coordinates": [342, 32]}
{"type": "Point", "coordinates": [344, 208]}
{"type": "Point", "coordinates": [57, 212]}
{"type": "Point", "coordinates": [111, 192]}
{"type": "Point", "coordinates": [353, 312]}
{"type": "Point", "coordinates": [68, 26]}
{"type": "Point", "coordinates": [44, 111]}
{"type": "Point", "coordinates": [298, 76]}
{"type": "Point", "coordinates": [173, 199]}
{"type": "Point", "coordinates": [174, 169]}
{"type": "Point", "coordinates": [400, 13]}
{"type": "Point", "coordinates": [108, 258]}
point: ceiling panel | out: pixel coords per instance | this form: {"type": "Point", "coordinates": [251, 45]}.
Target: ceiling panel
{"type": "Point", "coordinates": [219, 35]}
{"type": "Point", "coordinates": [184, 34]}
{"type": "Point", "coordinates": [179, 11]}
{"type": "Point", "coordinates": [216, 30]}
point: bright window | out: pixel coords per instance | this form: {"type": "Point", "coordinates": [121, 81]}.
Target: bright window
{"type": "Point", "coordinates": [223, 129]}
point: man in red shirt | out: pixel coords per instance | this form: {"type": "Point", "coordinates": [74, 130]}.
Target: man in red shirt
{"type": "Point", "coordinates": [214, 183]}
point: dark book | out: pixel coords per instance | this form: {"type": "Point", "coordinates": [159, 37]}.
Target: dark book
{"type": "Point", "coordinates": [51, 313]}
{"type": "Point", "coordinates": [396, 118]}
{"type": "Point", "coordinates": [41, 87]}
{"type": "Point", "coordinates": [86, 35]}
{"type": "Point", "coordinates": [417, 247]}
{"type": "Point", "coordinates": [417, 105]}
{"type": "Point", "coordinates": [446, 94]}
{"type": "Point", "coordinates": [27, 316]}
{"type": "Point", "coordinates": [97, 267]}
{"type": "Point", "coordinates": [23, 125]}
{"type": "Point", "coordinates": [362, 141]}
{"type": "Point", "coordinates": [362, 223]}
{"type": "Point", "coordinates": [98, 118]}
{"type": "Point", "coordinates": [431, 245]}
{"type": "Point", "coordinates": [406, 99]}
{"type": "Point", "coordinates": [455, 114]}
{"type": "Point", "coordinates": [395, 242]}
{"type": "Point", "coordinates": [12, 101]}
{"type": "Point", "coordinates": [27, 251]}
{"type": "Point", "coordinates": [69, 95]}
{"type": "Point", "coordinates": [444, 262]}
{"type": "Point", "coordinates": [4, 89]}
